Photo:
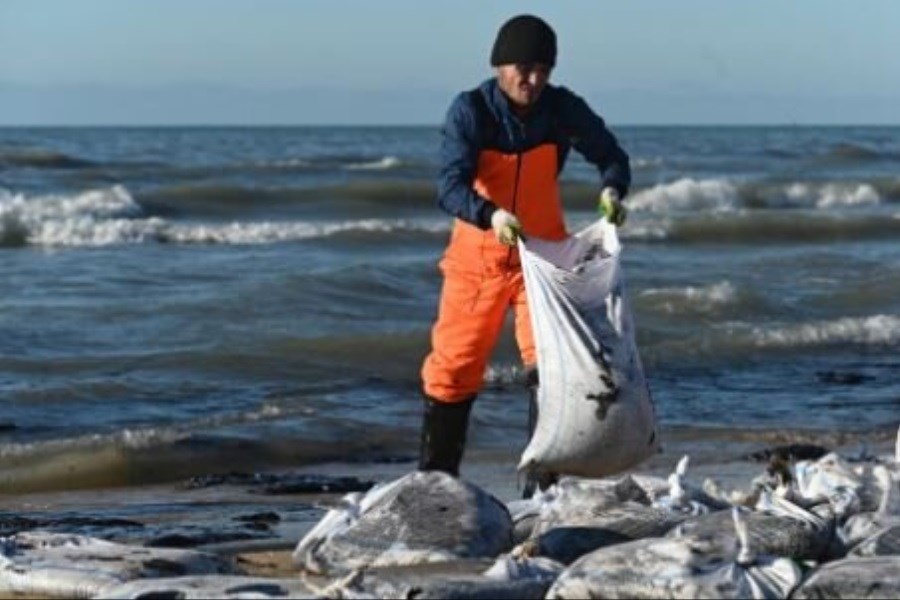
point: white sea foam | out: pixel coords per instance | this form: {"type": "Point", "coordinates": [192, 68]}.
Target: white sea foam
{"type": "Point", "coordinates": [646, 231]}
{"type": "Point", "coordinates": [703, 298]}
{"type": "Point", "coordinates": [636, 229]}
{"type": "Point", "coordinates": [274, 232]}
{"type": "Point", "coordinates": [503, 374]}
{"type": "Point", "coordinates": [97, 204]}
{"type": "Point", "coordinates": [384, 163]}
{"type": "Point", "coordinates": [111, 216]}
{"type": "Point", "coordinates": [128, 438]}
{"type": "Point", "coordinates": [832, 194]}
{"type": "Point", "coordinates": [721, 195]}
{"type": "Point", "coordinates": [646, 163]}
{"type": "Point", "coordinates": [146, 437]}
{"type": "Point", "coordinates": [686, 193]}
{"type": "Point", "coordinates": [287, 163]}
{"type": "Point", "coordinates": [875, 330]}
{"type": "Point", "coordinates": [94, 217]}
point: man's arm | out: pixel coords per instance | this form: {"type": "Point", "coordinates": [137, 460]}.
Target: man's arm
{"type": "Point", "coordinates": [591, 138]}
{"type": "Point", "coordinates": [459, 161]}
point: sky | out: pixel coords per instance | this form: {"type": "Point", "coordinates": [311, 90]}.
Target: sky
{"type": "Point", "coordinates": [396, 62]}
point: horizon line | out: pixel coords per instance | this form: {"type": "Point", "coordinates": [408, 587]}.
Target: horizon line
{"type": "Point", "coordinates": [410, 125]}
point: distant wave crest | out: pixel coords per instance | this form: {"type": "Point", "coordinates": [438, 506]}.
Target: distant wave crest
{"type": "Point", "coordinates": [687, 194]}
{"type": "Point", "coordinates": [691, 298]}
{"type": "Point", "coordinates": [723, 195]}
{"type": "Point", "coordinates": [832, 194]}
{"type": "Point", "coordinates": [851, 152]}
{"type": "Point", "coordinates": [382, 164]}
{"type": "Point", "coordinates": [273, 232]}
{"type": "Point", "coordinates": [735, 342]}
{"type": "Point", "coordinates": [111, 216]}
{"type": "Point", "coordinates": [94, 217]}
{"type": "Point", "coordinates": [40, 158]}
{"type": "Point", "coordinates": [874, 330]}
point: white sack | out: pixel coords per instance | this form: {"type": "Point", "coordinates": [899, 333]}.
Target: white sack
{"type": "Point", "coordinates": [423, 517]}
{"type": "Point", "coordinates": [42, 564]}
{"type": "Point", "coordinates": [595, 414]}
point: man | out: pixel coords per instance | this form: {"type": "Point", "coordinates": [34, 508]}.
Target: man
{"type": "Point", "coordinates": [503, 146]}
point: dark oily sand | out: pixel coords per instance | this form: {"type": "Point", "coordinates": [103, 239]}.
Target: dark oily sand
{"type": "Point", "coordinates": [282, 483]}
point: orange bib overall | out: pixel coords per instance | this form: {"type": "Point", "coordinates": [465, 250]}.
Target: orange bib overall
{"type": "Point", "coordinates": [483, 278]}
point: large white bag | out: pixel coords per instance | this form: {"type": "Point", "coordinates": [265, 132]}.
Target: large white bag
{"type": "Point", "coordinates": [595, 414]}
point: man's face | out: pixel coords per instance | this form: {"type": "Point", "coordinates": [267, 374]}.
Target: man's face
{"type": "Point", "coordinates": [523, 83]}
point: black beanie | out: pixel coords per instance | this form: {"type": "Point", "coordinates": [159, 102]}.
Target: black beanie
{"type": "Point", "coordinates": [524, 39]}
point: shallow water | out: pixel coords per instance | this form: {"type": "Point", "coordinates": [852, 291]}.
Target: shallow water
{"type": "Point", "coordinates": [183, 301]}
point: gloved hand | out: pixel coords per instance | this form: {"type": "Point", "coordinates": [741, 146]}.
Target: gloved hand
{"type": "Point", "coordinates": [506, 227]}
{"type": "Point", "coordinates": [611, 207]}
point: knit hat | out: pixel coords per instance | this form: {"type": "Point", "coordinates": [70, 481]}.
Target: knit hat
{"type": "Point", "coordinates": [524, 39]}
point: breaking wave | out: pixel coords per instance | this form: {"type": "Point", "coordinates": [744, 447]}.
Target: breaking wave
{"type": "Point", "coordinates": [677, 300]}
{"type": "Point", "coordinates": [723, 195]}
{"type": "Point", "coordinates": [874, 330]}
{"type": "Point", "coordinates": [111, 216]}
{"type": "Point", "coordinates": [38, 158]}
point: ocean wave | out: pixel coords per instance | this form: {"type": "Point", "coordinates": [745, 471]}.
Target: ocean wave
{"type": "Point", "coordinates": [687, 194]}
{"type": "Point", "coordinates": [319, 164]}
{"type": "Point", "coordinates": [671, 344]}
{"type": "Point", "coordinates": [873, 330]}
{"type": "Point", "coordinates": [153, 454]}
{"type": "Point", "coordinates": [723, 195]}
{"type": "Point", "coordinates": [223, 199]}
{"type": "Point", "coordinates": [118, 231]}
{"type": "Point", "coordinates": [766, 227]}
{"type": "Point", "coordinates": [382, 164]}
{"type": "Point", "coordinates": [102, 203]}
{"type": "Point", "coordinates": [275, 232]}
{"type": "Point", "coordinates": [647, 163]}
{"type": "Point", "coordinates": [832, 194]}
{"type": "Point", "coordinates": [139, 438]}
{"type": "Point", "coordinates": [38, 158]}
{"type": "Point", "coordinates": [691, 298]}
{"type": "Point", "coordinates": [385, 197]}
{"type": "Point", "coordinates": [777, 152]}
{"type": "Point", "coordinates": [95, 217]}
{"type": "Point", "coordinates": [284, 163]}
{"type": "Point", "coordinates": [322, 164]}
{"type": "Point", "coordinates": [245, 215]}
{"type": "Point", "coordinates": [845, 152]}
{"type": "Point", "coordinates": [111, 216]}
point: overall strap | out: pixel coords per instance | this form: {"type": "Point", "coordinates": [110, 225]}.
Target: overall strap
{"type": "Point", "coordinates": [488, 127]}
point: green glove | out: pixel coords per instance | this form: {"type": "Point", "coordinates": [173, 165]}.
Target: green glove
{"type": "Point", "coordinates": [611, 207]}
{"type": "Point", "coordinates": [506, 227]}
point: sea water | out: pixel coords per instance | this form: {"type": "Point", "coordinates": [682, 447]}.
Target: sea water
{"type": "Point", "coordinates": [176, 301]}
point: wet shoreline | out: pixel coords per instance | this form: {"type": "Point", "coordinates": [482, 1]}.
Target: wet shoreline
{"type": "Point", "coordinates": [228, 501]}
{"type": "Point", "coordinates": [230, 516]}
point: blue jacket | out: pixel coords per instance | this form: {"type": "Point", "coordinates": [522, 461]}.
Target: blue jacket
{"type": "Point", "coordinates": [473, 124]}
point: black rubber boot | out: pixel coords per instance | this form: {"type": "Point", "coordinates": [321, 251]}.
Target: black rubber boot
{"type": "Point", "coordinates": [535, 481]}
{"type": "Point", "coordinates": [444, 427]}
